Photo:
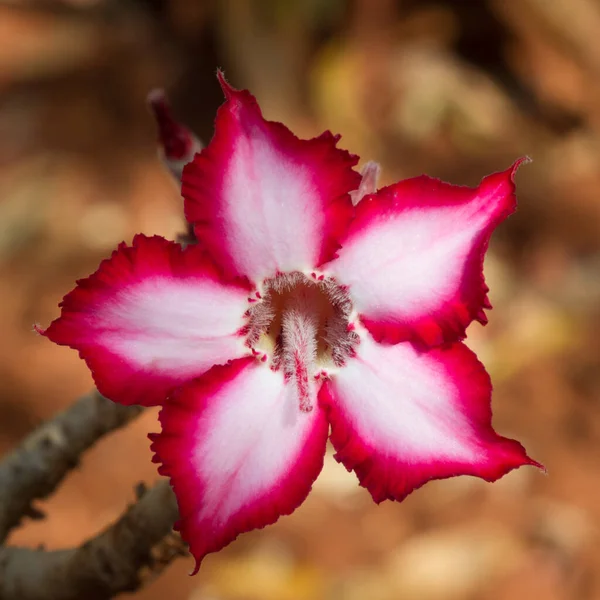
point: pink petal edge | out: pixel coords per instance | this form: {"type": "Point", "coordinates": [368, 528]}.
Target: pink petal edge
{"type": "Point", "coordinates": [264, 201]}
{"type": "Point", "coordinates": [239, 452]}
{"type": "Point", "coordinates": [413, 256]}
{"type": "Point", "coordinates": [147, 320]}
{"type": "Point", "coordinates": [401, 417]}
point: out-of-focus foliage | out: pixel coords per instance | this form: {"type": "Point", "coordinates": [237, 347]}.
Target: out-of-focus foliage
{"type": "Point", "coordinates": [453, 89]}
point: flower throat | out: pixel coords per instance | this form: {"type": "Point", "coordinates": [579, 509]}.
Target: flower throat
{"type": "Point", "coordinates": [302, 325]}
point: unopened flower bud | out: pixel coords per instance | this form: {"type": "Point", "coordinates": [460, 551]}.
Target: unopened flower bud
{"type": "Point", "coordinates": [177, 145]}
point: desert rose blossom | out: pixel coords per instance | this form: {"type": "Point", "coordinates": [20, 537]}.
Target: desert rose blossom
{"type": "Point", "coordinates": [299, 316]}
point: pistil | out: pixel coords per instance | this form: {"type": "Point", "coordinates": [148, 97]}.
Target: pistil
{"type": "Point", "coordinates": [299, 349]}
{"type": "Point", "coordinates": [299, 324]}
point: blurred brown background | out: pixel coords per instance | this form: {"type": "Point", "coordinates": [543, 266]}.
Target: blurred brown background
{"type": "Point", "coordinates": [453, 88]}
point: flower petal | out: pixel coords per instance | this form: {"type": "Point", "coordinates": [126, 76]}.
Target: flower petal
{"type": "Point", "coordinates": [239, 451]}
{"type": "Point", "coordinates": [401, 417]}
{"type": "Point", "coordinates": [151, 317]}
{"type": "Point", "coordinates": [264, 201]}
{"type": "Point", "coordinates": [413, 256]}
{"type": "Point", "coordinates": [368, 185]}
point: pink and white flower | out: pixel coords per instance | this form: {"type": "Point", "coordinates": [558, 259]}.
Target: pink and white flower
{"type": "Point", "coordinates": [295, 317]}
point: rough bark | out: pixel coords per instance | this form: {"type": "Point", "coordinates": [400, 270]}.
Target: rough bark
{"type": "Point", "coordinates": [39, 464]}
{"type": "Point", "coordinates": [120, 559]}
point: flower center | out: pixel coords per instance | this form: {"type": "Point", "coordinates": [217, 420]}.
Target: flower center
{"type": "Point", "coordinates": [301, 325]}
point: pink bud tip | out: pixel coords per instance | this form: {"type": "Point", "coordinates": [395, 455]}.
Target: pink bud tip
{"type": "Point", "coordinates": [175, 140]}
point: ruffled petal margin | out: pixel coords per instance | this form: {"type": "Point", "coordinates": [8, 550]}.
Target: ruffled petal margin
{"type": "Point", "coordinates": [401, 417]}
{"type": "Point", "coordinates": [151, 317]}
{"type": "Point", "coordinates": [239, 451]}
{"type": "Point", "coordinates": [413, 256]}
{"type": "Point", "coordinates": [264, 201]}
